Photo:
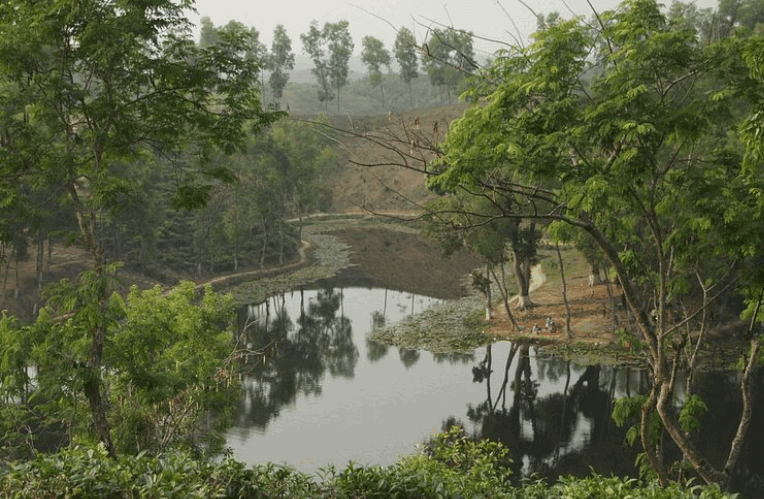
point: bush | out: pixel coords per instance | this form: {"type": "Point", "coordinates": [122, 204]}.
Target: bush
{"type": "Point", "coordinates": [450, 467]}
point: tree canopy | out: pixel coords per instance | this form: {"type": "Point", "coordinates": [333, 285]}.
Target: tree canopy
{"type": "Point", "coordinates": [374, 56]}
{"type": "Point", "coordinates": [330, 49]}
{"type": "Point", "coordinates": [629, 128]}
{"type": "Point", "coordinates": [93, 88]}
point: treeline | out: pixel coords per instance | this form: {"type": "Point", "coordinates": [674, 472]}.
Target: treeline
{"type": "Point", "coordinates": [360, 98]}
{"type": "Point", "coordinates": [447, 57]}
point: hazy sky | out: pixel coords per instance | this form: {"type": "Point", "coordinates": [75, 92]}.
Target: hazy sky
{"type": "Point", "coordinates": [485, 18]}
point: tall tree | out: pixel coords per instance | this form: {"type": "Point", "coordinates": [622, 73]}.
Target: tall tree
{"type": "Point", "coordinates": [314, 44]}
{"type": "Point", "coordinates": [208, 34]}
{"type": "Point", "coordinates": [281, 61]}
{"type": "Point", "coordinates": [340, 46]}
{"type": "Point", "coordinates": [105, 85]}
{"type": "Point", "coordinates": [408, 60]}
{"type": "Point", "coordinates": [330, 49]}
{"type": "Point", "coordinates": [374, 55]}
{"type": "Point", "coordinates": [449, 57]}
{"type": "Point", "coordinates": [254, 49]}
{"type": "Point", "coordinates": [629, 131]}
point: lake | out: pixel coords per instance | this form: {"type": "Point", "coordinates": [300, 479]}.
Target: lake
{"type": "Point", "coordinates": [318, 393]}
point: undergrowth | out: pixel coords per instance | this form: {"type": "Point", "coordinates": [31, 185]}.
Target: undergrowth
{"type": "Point", "coordinates": [450, 466]}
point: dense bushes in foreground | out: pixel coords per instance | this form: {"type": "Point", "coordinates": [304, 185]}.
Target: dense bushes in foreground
{"type": "Point", "coordinates": [450, 467]}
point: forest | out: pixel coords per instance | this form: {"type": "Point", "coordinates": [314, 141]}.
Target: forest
{"type": "Point", "coordinates": [635, 135]}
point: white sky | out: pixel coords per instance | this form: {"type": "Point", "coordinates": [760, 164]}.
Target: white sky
{"type": "Point", "coordinates": [485, 18]}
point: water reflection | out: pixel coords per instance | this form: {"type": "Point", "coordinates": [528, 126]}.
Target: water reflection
{"type": "Point", "coordinates": [554, 418]}
{"type": "Point", "coordinates": [295, 355]}
{"type": "Point", "coordinates": [321, 393]}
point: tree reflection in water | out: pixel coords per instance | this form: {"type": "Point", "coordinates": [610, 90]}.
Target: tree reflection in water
{"type": "Point", "coordinates": [296, 355]}
{"type": "Point", "coordinates": [376, 351]}
{"type": "Point", "coordinates": [544, 430]}
{"type": "Point", "coordinates": [554, 416]}
{"type": "Point", "coordinates": [570, 432]}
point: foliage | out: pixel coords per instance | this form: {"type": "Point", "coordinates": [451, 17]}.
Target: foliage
{"type": "Point", "coordinates": [374, 56]}
{"type": "Point", "coordinates": [172, 364]}
{"type": "Point", "coordinates": [97, 87]}
{"type": "Point", "coordinates": [361, 99]}
{"type": "Point", "coordinates": [168, 361]}
{"type": "Point", "coordinates": [406, 54]}
{"type": "Point", "coordinates": [449, 58]}
{"type": "Point", "coordinates": [455, 467]}
{"type": "Point", "coordinates": [691, 411]}
{"type": "Point", "coordinates": [314, 44]}
{"type": "Point", "coordinates": [281, 61]}
{"type": "Point", "coordinates": [452, 466]}
{"type": "Point", "coordinates": [88, 472]}
{"type": "Point", "coordinates": [330, 49]}
{"type": "Point", "coordinates": [631, 130]}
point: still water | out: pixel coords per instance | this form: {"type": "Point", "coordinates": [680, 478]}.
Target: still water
{"type": "Point", "coordinates": [318, 393]}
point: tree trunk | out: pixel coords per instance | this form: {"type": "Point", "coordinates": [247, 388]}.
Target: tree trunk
{"type": "Point", "coordinates": [265, 244]}
{"type": "Point", "coordinates": [504, 295]}
{"type": "Point", "coordinates": [690, 452]}
{"type": "Point", "coordinates": [568, 332]}
{"type": "Point", "coordinates": [745, 419]}
{"type": "Point", "coordinates": [611, 297]}
{"type": "Point", "coordinates": [281, 244]}
{"type": "Point", "coordinates": [523, 283]}
{"type": "Point", "coordinates": [594, 274]}
{"type": "Point", "coordinates": [648, 446]}
{"type": "Point", "coordinates": [488, 306]}
{"type": "Point", "coordinates": [92, 372]}
{"type": "Point", "coordinates": [40, 260]}
{"type": "Point", "coordinates": [18, 284]}
{"type": "Point", "coordinates": [7, 271]}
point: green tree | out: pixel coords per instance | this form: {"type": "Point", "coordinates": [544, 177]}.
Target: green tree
{"type": "Point", "coordinates": [107, 85]}
{"type": "Point", "coordinates": [305, 162]}
{"type": "Point", "coordinates": [330, 49]}
{"type": "Point", "coordinates": [448, 57]}
{"type": "Point", "coordinates": [374, 55]}
{"type": "Point", "coordinates": [340, 46]}
{"type": "Point", "coordinates": [408, 60]}
{"type": "Point", "coordinates": [208, 34]}
{"type": "Point", "coordinates": [629, 133]}
{"type": "Point", "coordinates": [281, 61]}
{"type": "Point", "coordinates": [314, 44]}
{"type": "Point", "coordinates": [253, 49]}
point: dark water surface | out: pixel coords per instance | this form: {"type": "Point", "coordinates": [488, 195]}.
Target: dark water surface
{"type": "Point", "coordinates": [322, 394]}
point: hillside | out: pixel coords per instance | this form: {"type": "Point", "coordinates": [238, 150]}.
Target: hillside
{"type": "Point", "coordinates": [385, 156]}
